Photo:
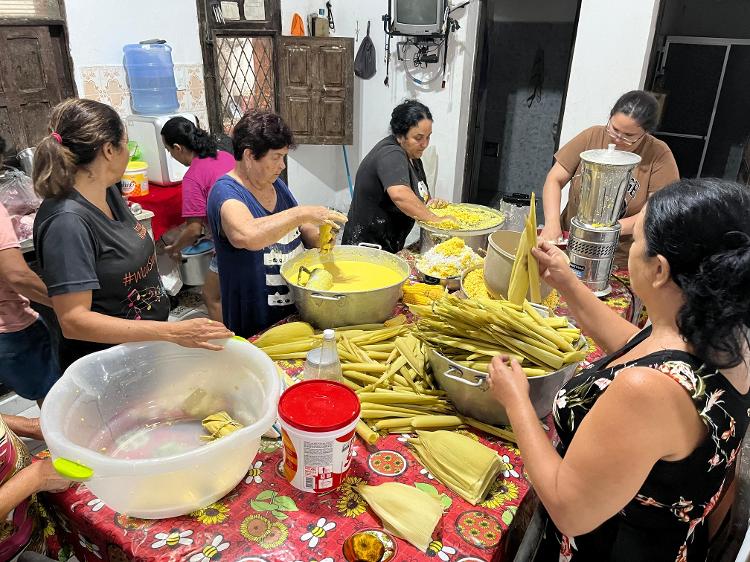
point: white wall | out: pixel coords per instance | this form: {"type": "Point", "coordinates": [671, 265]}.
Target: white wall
{"type": "Point", "coordinates": [98, 30]}
{"type": "Point", "coordinates": [316, 174]}
{"type": "Point", "coordinates": [610, 57]}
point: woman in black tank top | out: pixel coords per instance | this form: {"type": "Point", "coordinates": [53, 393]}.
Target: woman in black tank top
{"type": "Point", "coordinates": [649, 434]}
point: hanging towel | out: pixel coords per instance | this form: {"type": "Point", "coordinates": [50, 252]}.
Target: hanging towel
{"type": "Point", "coordinates": [298, 27]}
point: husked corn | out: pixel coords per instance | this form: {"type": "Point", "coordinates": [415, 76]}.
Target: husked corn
{"type": "Point", "coordinates": [421, 293]}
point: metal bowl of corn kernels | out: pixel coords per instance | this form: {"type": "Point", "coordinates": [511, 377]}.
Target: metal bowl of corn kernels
{"type": "Point", "coordinates": [468, 390]}
{"type": "Point", "coordinates": [475, 237]}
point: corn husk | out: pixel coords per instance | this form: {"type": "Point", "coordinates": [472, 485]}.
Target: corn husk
{"type": "Point", "coordinates": [219, 425]}
{"type": "Point", "coordinates": [524, 276]}
{"type": "Point", "coordinates": [405, 511]}
{"type": "Point", "coordinates": [325, 240]}
{"type": "Point", "coordinates": [462, 464]}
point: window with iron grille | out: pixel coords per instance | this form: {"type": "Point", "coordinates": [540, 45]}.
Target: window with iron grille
{"type": "Point", "coordinates": [238, 38]}
{"type": "Point", "coordinates": [309, 81]}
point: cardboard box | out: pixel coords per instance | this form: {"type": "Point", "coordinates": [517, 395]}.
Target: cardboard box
{"type": "Point", "coordinates": [319, 26]}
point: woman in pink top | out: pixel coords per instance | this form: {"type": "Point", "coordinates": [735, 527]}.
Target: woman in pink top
{"type": "Point", "coordinates": [195, 148]}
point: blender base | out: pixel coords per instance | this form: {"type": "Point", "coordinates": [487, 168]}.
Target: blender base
{"type": "Point", "coordinates": [604, 292]}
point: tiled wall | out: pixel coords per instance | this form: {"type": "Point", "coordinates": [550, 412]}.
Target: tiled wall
{"type": "Point", "coordinates": [108, 84]}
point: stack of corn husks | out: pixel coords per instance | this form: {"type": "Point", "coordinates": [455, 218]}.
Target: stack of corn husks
{"type": "Point", "coordinates": [524, 276]}
{"type": "Point", "coordinates": [445, 453]}
{"type": "Point", "coordinates": [472, 332]}
{"type": "Point", "coordinates": [386, 367]}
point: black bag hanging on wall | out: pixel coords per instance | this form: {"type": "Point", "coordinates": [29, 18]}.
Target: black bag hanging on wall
{"type": "Point", "coordinates": [364, 62]}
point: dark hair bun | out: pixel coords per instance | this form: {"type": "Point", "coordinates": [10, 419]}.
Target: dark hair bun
{"type": "Point", "coordinates": [182, 131]}
{"type": "Point", "coordinates": [406, 115]}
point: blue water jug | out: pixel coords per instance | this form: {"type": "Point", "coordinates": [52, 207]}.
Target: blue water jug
{"type": "Point", "coordinates": [151, 78]}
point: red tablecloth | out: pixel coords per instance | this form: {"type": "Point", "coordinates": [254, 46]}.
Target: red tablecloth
{"type": "Point", "coordinates": [264, 519]}
{"type": "Point", "coordinates": [166, 204]}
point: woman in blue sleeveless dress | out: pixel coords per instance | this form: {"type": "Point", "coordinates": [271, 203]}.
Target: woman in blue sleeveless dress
{"type": "Point", "coordinates": [649, 434]}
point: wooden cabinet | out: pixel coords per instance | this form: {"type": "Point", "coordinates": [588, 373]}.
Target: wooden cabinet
{"type": "Point", "coordinates": [30, 84]}
{"type": "Point", "coordinates": [316, 84]}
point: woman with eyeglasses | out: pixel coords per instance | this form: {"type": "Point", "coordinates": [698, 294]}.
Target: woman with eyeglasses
{"type": "Point", "coordinates": [631, 120]}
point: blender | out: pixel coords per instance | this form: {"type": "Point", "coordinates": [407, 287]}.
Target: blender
{"type": "Point", "coordinates": [594, 231]}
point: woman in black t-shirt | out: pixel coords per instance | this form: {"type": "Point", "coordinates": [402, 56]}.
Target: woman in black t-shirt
{"type": "Point", "coordinates": [391, 189]}
{"type": "Point", "coordinates": [98, 262]}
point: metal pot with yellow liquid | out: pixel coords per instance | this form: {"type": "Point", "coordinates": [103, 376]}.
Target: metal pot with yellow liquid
{"type": "Point", "coordinates": [364, 285]}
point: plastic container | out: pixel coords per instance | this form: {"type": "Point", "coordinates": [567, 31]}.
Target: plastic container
{"type": "Point", "coordinates": [150, 71]}
{"type": "Point", "coordinates": [135, 180]}
{"type": "Point", "coordinates": [317, 429]}
{"type": "Point", "coordinates": [323, 362]}
{"type": "Point", "coordinates": [127, 387]}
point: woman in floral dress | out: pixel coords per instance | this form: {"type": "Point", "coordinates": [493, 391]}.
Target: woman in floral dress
{"type": "Point", "coordinates": [649, 434]}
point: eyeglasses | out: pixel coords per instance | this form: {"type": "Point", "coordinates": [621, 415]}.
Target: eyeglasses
{"type": "Point", "coordinates": [625, 139]}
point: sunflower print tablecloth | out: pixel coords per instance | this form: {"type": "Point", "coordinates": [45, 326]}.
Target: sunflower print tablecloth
{"type": "Point", "coordinates": [264, 519]}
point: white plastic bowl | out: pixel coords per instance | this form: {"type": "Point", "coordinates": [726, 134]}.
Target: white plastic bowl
{"type": "Point", "coordinates": [128, 386]}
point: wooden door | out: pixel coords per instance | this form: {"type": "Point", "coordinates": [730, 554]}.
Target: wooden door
{"type": "Point", "coordinates": [30, 84]}
{"type": "Point", "coordinates": [316, 83]}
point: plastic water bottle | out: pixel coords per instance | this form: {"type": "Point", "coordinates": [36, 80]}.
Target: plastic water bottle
{"type": "Point", "coordinates": [323, 362]}
{"type": "Point", "coordinates": [151, 78]}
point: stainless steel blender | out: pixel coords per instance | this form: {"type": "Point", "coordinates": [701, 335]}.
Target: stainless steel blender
{"type": "Point", "coordinates": [594, 231]}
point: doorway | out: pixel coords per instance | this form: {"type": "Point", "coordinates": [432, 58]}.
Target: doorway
{"type": "Point", "coordinates": [705, 121]}
{"type": "Point", "coordinates": [522, 74]}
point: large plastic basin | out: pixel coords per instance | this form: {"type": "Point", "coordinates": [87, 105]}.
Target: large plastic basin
{"type": "Point", "coordinates": [128, 386]}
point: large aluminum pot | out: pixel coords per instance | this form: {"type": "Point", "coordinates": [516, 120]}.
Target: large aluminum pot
{"type": "Point", "coordinates": [475, 239]}
{"type": "Point", "coordinates": [501, 253]}
{"type": "Point", "coordinates": [331, 309]}
{"type": "Point", "coordinates": [468, 390]}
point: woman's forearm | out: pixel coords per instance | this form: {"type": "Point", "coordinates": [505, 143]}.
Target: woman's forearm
{"type": "Point", "coordinates": [21, 426]}
{"type": "Point", "coordinates": [190, 234]}
{"type": "Point", "coordinates": [87, 325]}
{"type": "Point", "coordinates": [256, 234]}
{"type": "Point", "coordinates": [595, 318]}
{"type": "Point", "coordinates": [411, 205]}
{"type": "Point", "coordinates": [24, 483]}
{"type": "Point", "coordinates": [551, 198]}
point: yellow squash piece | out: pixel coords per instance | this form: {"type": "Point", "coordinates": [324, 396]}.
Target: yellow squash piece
{"type": "Point", "coordinates": [464, 465]}
{"type": "Point", "coordinates": [285, 333]}
{"type": "Point", "coordinates": [405, 511]}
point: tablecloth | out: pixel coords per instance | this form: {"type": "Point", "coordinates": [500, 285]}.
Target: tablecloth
{"type": "Point", "coordinates": [264, 519]}
{"type": "Point", "coordinates": [166, 204]}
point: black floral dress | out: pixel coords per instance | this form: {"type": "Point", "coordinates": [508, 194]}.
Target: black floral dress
{"type": "Point", "coordinates": [666, 520]}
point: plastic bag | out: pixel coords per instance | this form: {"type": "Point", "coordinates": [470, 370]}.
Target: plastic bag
{"type": "Point", "coordinates": [364, 62]}
{"type": "Point", "coordinates": [23, 225]}
{"type": "Point", "coordinates": [17, 192]}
